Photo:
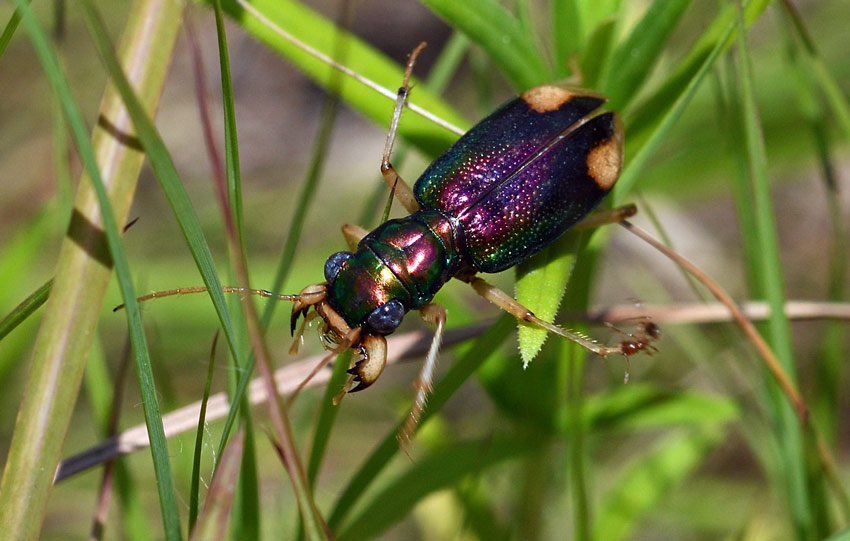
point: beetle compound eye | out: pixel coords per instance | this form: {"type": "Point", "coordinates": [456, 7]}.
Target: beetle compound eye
{"type": "Point", "coordinates": [334, 264]}
{"type": "Point", "coordinates": [385, 318]}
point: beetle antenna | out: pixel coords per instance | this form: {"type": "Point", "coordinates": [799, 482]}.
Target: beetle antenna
{"type": "Point", "coordinates": [202, 289]}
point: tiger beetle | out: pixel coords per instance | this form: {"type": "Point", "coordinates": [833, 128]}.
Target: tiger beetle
{"type": "Point", "coordinates": [504, 191]}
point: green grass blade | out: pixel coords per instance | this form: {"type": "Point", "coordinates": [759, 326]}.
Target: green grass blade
{"type": "Point", "coordinates": [195, 486]}
{"type": "Point", "coordinates": [167, 176]}
{"type": "Point", "coordinates": [460, 371]}
{"type": "Point", "coordinates": [9, 30]}
{"type": "Point", "coordinates": [644, 406]}
{"type": "Point", "coordinates": [633, 59]}
{"type": "Point", "coordinates": [597, 54]}
{"type": "Point", "coordinates": [25, 309]}
{"type": "Point", "coordinates": [647, 114]}
{"type": "Point", "coordinates": [213, 520]}
{"type": "Point", "coordinates": [648, 480]}
{"type": "Point", "coordinates": [246, 514]}
{"type": "Point", "coordinates": [327, 415]}
{"type": "Point", "coordinates": [499, 33]}
{"type": "Point", "coordinates": [834, 95]}
{"type": "Point", "coordinates": [568, 35]}
{"type": "Point", "coordinates": [162, 468]}
{"type": "Point", "coordinates": [671, 114]}
{"type": "Point", "coordinates": [769, 270]}
{"type": "Point", "coordinates": [440, 469]}
{"type": "Point", "coordinates": [277, 23]}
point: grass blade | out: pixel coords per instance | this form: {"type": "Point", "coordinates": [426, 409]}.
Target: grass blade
{"type": "Point", "coordinates": [166, 174]}
{"type": "Point", "coordinates": [74, 307]}
{"type": "Point", "coordinates": [768, 268]}
{"type": "Point", "coordinates": [25, 309]}
{"type": "Point", "coordinates": [568, 35]}
{"type": "Point", "coordinates": [499, 33]}
{"type": "Point", "coordinates": [153, 419]}
{"type": "Point", "coordinates": [633, 60]}
{"type": "Point", "coordinates": [440, 469]}
{"type": "Point", "coordinates": [289, 28]}
{"type": "Point", "coordinates": [213, 520]}
{"type": "Point", "coordinates": [195, 486]}
{"type": "Point", "coordinates": [648, 480]}
{"type": "Point", "coordinates": [460, 371]}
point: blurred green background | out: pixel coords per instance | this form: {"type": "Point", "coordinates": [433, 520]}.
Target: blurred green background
{"type": "Point", "coordinates": [686, 450]}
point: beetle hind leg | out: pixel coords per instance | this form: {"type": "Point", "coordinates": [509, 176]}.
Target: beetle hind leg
{"type": "Point", "coordinates": [511, 306]}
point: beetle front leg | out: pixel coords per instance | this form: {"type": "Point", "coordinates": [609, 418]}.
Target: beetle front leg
{"type": "Point", "coordinates": [511, 306]}
{"type": "Point", "coordinates": [436, 314]}
{"type": "Point", "coordinates": [353, 235]}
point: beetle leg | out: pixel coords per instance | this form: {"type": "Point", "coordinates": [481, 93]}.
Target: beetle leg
{"type": "Point", "coordinates": [353, 235]}
{"type": "Point", "coordinates": [397, 185]}
{"type": "Point", "coordinates": [606, 216]}
{"type": "Point", "coordinates": [436, 314]}
{"type": "Point", "coordinates": [511, 306]}
{"type": "Point", "coordinates": [310, 296]}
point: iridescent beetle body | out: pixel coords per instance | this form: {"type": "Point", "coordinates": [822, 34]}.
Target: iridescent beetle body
{"type": "Point", "coordinates": [504, 191]}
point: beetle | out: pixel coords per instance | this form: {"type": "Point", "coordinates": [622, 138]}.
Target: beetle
{"type": "Point", "coordinates": [505, 190]}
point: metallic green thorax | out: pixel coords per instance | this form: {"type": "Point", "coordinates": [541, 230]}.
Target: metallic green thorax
{"type": "Point", "coordinates": [408, 259]}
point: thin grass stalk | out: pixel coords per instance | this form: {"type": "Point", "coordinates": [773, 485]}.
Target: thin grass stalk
{"type": "Point", "coordinates": [790, 438]}
{"type": "Point", "coordinates": [194, 487]}
{"type": "Point", "coordinates": [82, 275]}
{"type": "Point", "coordinates": [312, 518]}
{"type": "Point", "coordinates": [246, 511]}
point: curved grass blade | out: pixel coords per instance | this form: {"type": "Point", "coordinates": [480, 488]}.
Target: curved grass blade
{"type": "Point", "coordinates": [167, 176]}
{"type": "Point", "coordinates": [440, 469]}
{"type": "Point", "coordinates": [213, 520]}
{"type": "Point", "coordinates": [768, 267]}
{"type": "Point", "coordinates": [597, 54]}
{"type": "Point", "coordinates": [287, 27]}
{"type": "Point", "coordinates": [25, 309]}
{"type": "Point", "coordinates": [194, 487]}
{"type": "Point", "coordinates": [153, 419]}
{"type": "Point", "coordinates": [633, 59]}
{"type": "Point", "coordinates": [499, 33]}
{"type": "Point", "coordinates": [642, 118]}
{"type": "Point", "coordinates": [635, 166]}
{"type": "Point", "coordinates": [568, 35]}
